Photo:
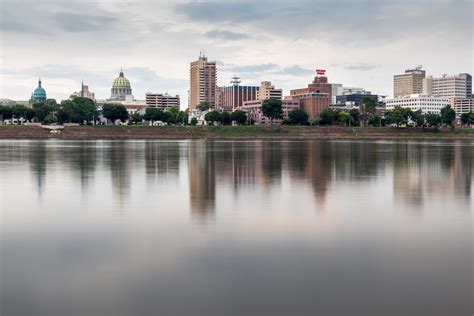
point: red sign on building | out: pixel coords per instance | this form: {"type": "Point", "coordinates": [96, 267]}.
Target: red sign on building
{"type": "Point", "coordinates": [320, 72]}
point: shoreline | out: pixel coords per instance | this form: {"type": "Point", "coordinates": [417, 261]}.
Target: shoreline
{"type": "Point", "coordinates": [234, 133]}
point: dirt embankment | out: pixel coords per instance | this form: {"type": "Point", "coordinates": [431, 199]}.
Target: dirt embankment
{"type": "Point", "coordinates": [231, 132]}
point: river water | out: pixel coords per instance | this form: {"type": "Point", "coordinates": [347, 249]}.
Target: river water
{"type": "Point", "coordinates": [94, 228]}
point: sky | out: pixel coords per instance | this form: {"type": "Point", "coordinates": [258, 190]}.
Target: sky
{"type": "Point", "coordinates": [360, 43]}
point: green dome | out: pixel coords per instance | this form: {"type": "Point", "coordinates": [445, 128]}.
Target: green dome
{"type": "Point", "coordinates": [121, 82]}
{"type": "Point", "coordinates": [39, 94]}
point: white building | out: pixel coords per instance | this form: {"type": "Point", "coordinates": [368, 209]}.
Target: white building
{"type": "Point", "coordinates": [425, 103]}
{"type": "Point", "coordinates": [454, 86]}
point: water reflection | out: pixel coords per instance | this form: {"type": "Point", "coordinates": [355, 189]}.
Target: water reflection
{"type": "Point", "coordinates": [235, 228]}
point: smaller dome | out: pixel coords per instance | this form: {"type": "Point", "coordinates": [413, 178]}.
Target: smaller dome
{"type": "Point", "coordinates": [121, 82]}
{"type": "Point", "coordinates": [39, 94]}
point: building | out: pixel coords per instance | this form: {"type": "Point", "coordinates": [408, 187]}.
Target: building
{"type": "Point", "coordinates": [254, 110]}
{"type": "Point", "coordinates": [355, 99]}
{"type": "Point", "coordinates": [84, 93]}
{"type": "Point", "coordinates": [454, 86]}
{"type": "Point", "coordinates": [411, 82]}
{"type": "Point", "coordinates": [268, 91]}
{"type": "Point", "coordinates": [203, 76]}
{"type": "Point", "coordinates": [316, 97]}
{"type": "Point", "coordinates": [163, 102]}
{"type": "Point", "coordinates": [219, 97]}
{"type": "Point", "coordinates": [415, 102]}
{"type": "Point", "coordinates": [39, 95]}
{"type": "Point", "coordinates": [462, 105]}
{"type": "Point", "coordinates": [121, 88]}
{"type": "Point", "coordinates": [234, 96]}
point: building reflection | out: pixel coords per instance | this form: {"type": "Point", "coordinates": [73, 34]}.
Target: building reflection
{"type": "Point", "coordinates": [202, 179]}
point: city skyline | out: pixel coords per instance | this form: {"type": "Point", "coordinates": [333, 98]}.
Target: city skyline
{"type": "Point", "coordinates": [66, 48]}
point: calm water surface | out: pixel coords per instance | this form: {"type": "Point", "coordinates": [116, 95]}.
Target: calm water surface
{"type": "Point", "coordinates": [236, 228]}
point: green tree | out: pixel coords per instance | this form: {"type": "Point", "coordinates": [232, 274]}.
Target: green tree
{"type": "Point", "coordinates": [136, 118]}
{"type": "Point", "coordinates": [467, 119]}
{"type": "Point", "coordinates": [115, 112]}
{"type": "Point", "coordinates": [396, 116]}
{"type": "Point", "coordinates": [344, 117]}
{"type": "Point", "coordinates": [204, 106]}
{"type": "Point", "coordinates": [448, 115]}
{"type": "Point", "coordinates": [368, 109]}
{"type": "Point", "coordinates": [355, 114]}
{"type": "Point", "coordinates": [240, 117]}
{"type": "Point", "coordinates": [327, 116]}
{"type": "Point", "coordinates": [154, 114]}
{"type": "Point", "coordinates": [78, 110]}
{"type": "Point", "coordinates": [433, 119]}
{"type": "Point", "coordinates": [194, 121]}
{"type": "Point", "coordinates": [42, 110]}
{"type": "Point", "coordinates": [213, 116]}
{"type": "Point", "coordinates": [225, 118]}
{"type": "Point", "coordinates": [272, 108]}
{"type": "Point", "coordinates": [298, 117]}
{"type": "Point", "coordinates": [172, 115]}
{"type": "Point", "coordinates": [50, 119]}
{"type": "Point", "coordinates": [418, 117]}
{"type": "Point", "coordinates": [5, 112]}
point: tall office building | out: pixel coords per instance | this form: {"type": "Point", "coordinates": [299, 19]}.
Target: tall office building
{"type": "Point", "coordinates": [411, 82]}
{"type": "Point", "coordinates": [268, 91]}
{"type": "Point", "coordinates": [203, 76]}
{"type": "Point", "coordinates": [455, 86]}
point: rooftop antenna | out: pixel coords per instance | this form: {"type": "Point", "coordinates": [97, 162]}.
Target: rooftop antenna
{"type": "Point", "coordinates": [235, 81]}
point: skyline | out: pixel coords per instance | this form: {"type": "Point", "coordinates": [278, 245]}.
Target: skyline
{"type": "Point", "coordinates": [88, 41]}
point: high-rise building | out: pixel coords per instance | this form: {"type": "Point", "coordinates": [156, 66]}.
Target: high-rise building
{"type": "Point", "coordinates": [455, 86]}
{"type": "Point", "coordinates": [203, 76]}
{"type": "Point", "coordinates": [235, 95]}
{"type": "Point", "coordinates": [268, 91]}
{"type": "Point", "coordinates": [316, 97]}
{"type": "Point", "coordinates": [161, 101]}
{"type": "Point", "coordinates": [411, 82]}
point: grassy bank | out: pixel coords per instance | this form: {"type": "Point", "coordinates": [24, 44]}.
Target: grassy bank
{"type": "Point", "coordinates": [232, 132]}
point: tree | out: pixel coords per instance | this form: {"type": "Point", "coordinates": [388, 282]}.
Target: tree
{"type": "Point", "coordinates": [396, 116]}
{"type": "Point", "coordinates": [368, 107]}
{"type": "Point", "coordinates": [225, 118]}
{"type": "Point", "coordinates": [194, 121]}
{"type": "Point", "coordinates": [213, 116]}
{"type": "Point", "coordinates": [115, 112]}
{"type": "Point", "coordinates": [78, 110]}
{"type": "Point", "coordinates": [136, 118]}
{"type": "Point", "coordinates": [355, 113]}
{"type": "Point", "coordinates": [298, 117]}
{"type": "Point", "coordinates": [327, 116]}
{"type": "Point", "coordinates": [154, 114]}
{"type": "Point", "coordinates": [19, 111]}
{"type": "Point", "coordinates": [433, 119]}
{"type": "Point", "coordinates": [6, 112]}
{"type": "Point", "coordinates": [467, 119]}
{"type": "Point", "coordinates": [418, 117]}
{"type": "Point", "coordinates": [448, 115]}
{"type": "Point", "coordinates": [42, 110]}
{"type": "Point", "coordinates": [272, 108]}
{"type": "Point", "coordinates": [172, 115]}
{"type": "Point", "coordinates": [344, 117]}
{"type": "Point", "coordinates": [30, 114]}
{"type": "Point", "coordinates": [240, 117]}
{"type": "Point", "coordinates": [204, 106]}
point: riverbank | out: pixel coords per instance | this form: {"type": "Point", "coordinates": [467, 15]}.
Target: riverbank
{"type": "Point", "coordinates": [232, 132]}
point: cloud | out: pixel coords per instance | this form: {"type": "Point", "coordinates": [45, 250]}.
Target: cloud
{"type": "Point", "coordinates": [296, 71]}
{"type": "Point", "coordinates": [361, 67]}
{"type": "Point", "coordinates": [225, 35]}
{"type": "Point", "coordinates": [257, 68]}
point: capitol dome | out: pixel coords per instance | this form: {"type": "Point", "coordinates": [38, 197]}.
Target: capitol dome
{"type": "Point", "coordinates": [39, 95]}
{"type": "Point", "coordinates": [120, 88]}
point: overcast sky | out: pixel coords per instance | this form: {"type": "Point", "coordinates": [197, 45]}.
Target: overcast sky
{"type": "Point", "coordinates": [360, 42]}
